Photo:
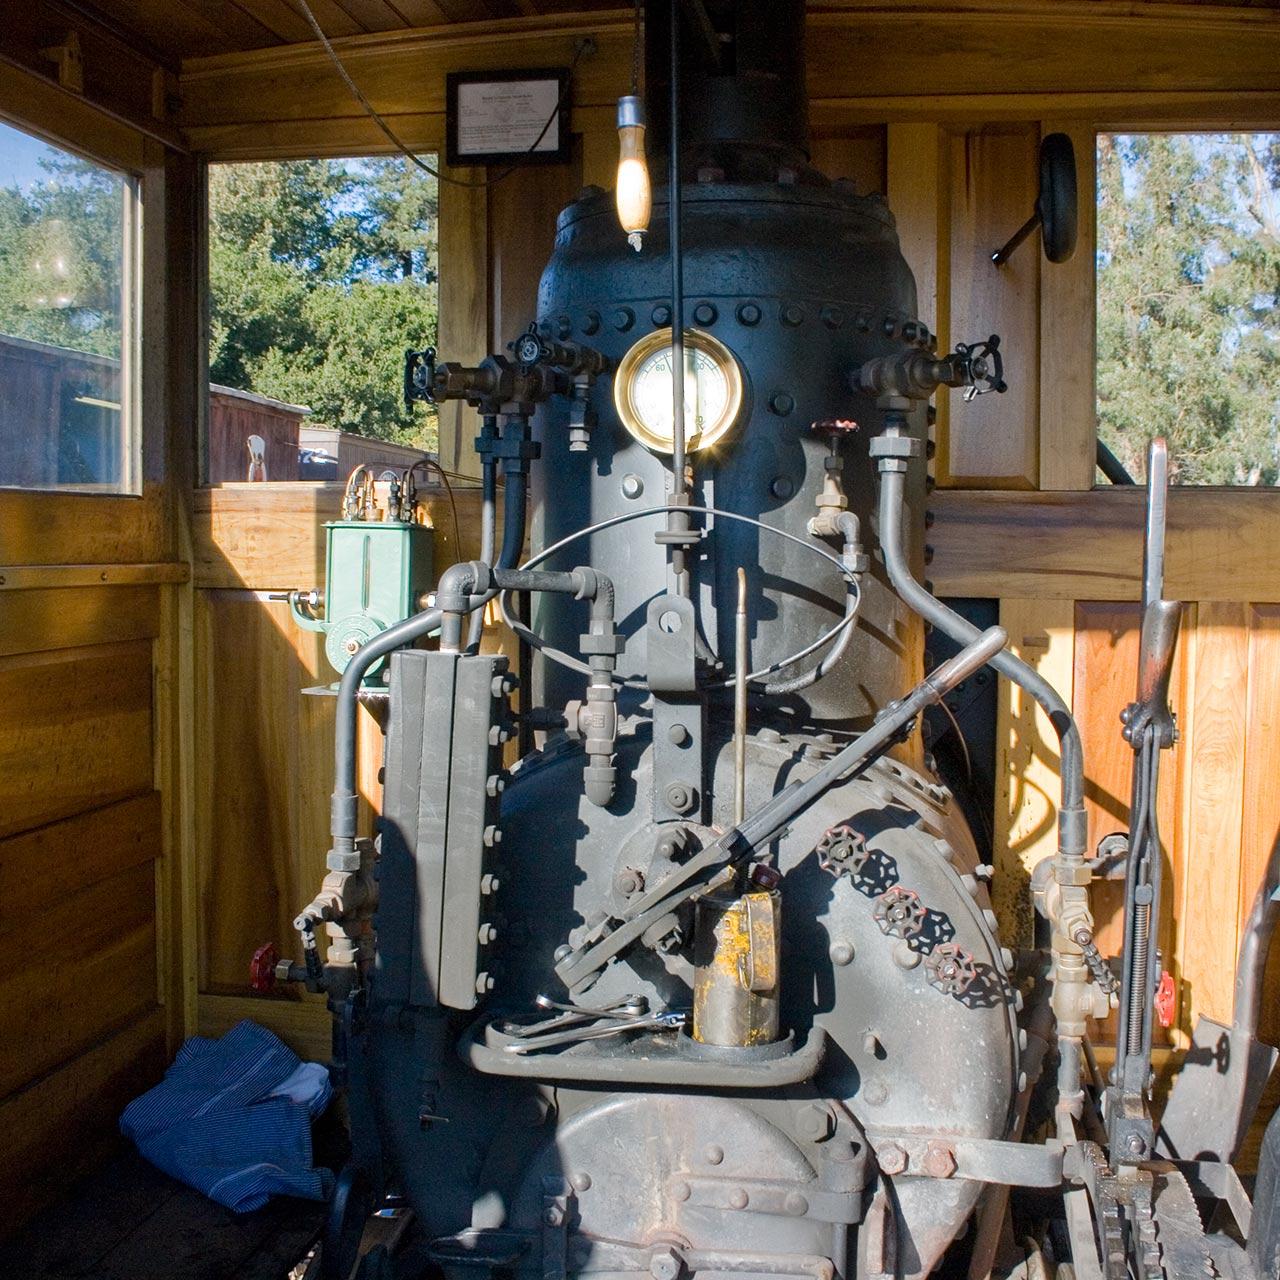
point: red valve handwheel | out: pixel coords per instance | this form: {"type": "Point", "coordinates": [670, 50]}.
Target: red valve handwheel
{"type": "Point", "coordinates": [1166, 999]}
{"type": "Point", "coordinates": [262, 968]}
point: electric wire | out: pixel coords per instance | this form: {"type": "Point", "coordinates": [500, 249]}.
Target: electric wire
{"type": "Point", "coordinates": [840, 630]}
{"type": "Point", "coordinates": [394, 138]}
{"type": "Point", "coordinates": [448, 488]}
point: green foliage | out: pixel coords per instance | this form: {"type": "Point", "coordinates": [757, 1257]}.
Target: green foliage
{"type": "Point", "coordinates": [321, 274]}
{"type": "Point", "coordinates": [61, 257]}
{"type": "Point", "coordinates": [1188, 293]}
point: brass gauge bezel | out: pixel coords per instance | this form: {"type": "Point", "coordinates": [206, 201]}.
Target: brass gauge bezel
{"type": "Point", "coordinates": [696, 340]}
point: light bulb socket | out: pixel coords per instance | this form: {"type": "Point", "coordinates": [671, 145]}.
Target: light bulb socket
{"type": "Point", "coordinates": [630, 112]}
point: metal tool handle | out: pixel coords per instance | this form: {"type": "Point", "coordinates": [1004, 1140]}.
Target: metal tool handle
{"type": "Point", "coordinates": [1255, 945]}
{"type": "Point", "coordinates": [1157, 509]}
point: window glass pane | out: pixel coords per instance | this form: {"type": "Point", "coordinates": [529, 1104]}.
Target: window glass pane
{"type": "Point", "coordinates": [322, 273]}
{"type": "Point", "coordinates": [67, 329]}
{"type": "Point", "coordinates": [1188, 322]}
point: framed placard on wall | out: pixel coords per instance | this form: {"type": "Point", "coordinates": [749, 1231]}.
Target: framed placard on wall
{"type": "Point", "coordinates": [507, 117]}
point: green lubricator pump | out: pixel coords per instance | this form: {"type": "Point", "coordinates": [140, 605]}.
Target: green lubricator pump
{"type": "Point", "coordinates": [378, 570]}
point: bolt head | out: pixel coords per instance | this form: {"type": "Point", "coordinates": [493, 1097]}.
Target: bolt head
{"type": "Point", "coordinates": [714, 1154]}
{"type": "Point", "coordinates": [816, 1121]}
{"type": "Point", "coordinates": [664, 1263]}
{"type": "Point", "coordinates": [875, 1092]}
{"type": "Point", "coordinates": [680, 1191]}
{"type": "Point", "coordinates": [939, 1160]}
{"type": "Point", "coordinates": [628, 882]}
{"type": "Point", "coordinates": [738, 1198]}
{"type": "Point", "coordinates": [795, 1204]}
{"type": "Point", "coordinates": [679, 797]}
{"type": "Point", "coordinates": [892, 1159]}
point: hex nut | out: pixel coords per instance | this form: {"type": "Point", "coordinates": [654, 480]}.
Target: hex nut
{"type": "Point", "coordinates": [939, 1160]}
{"type": "Point", "coordinates": [816, 1121]}
{"type": "Point", "coordinates": [891, 1158]}
{"type": "Point", "coordinates": [664, 1263]}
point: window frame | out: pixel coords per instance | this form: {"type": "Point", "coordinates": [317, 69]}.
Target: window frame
{"type": "Point", "coordinates": [130, 482]}
{"type": "Point", "coordinates": [1179, 128]}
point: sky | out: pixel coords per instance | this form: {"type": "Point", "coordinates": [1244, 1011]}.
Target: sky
{"type": "Point", "coordinates": [19, 157]}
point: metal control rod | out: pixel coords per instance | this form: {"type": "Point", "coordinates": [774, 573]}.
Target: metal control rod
{"type": "Point", "coordinates": [765, 824]}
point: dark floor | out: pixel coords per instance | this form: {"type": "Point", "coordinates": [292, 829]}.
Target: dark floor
{"type": "Point", "coordinates": [129, 1221]}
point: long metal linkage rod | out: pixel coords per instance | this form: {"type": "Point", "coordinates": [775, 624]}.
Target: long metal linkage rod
{"type": "Point", "coordinates": [678, 522]}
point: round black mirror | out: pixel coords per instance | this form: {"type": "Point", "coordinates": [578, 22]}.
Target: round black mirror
{"type": "Point", "coordinates": [1056, 206]}
{"type": "Point", "coordinates": [1056, 212]}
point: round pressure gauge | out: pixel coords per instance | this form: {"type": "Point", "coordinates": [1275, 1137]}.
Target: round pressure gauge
{"type": "Point", "coordinates": [712, 390]}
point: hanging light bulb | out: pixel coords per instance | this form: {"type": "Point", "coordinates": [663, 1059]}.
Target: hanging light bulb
{"type": "Point", "coordinates": [632, 192]}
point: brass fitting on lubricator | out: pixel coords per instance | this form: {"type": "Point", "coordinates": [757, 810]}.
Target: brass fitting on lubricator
{"type": "Point", "coordinates": [834, 519]}
{"type": "Point", "coordinates": [1080, 987]}
{"type": "Point", "coordinates": [345, 905]}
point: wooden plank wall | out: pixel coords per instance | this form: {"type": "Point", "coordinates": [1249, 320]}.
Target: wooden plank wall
{"type": "Point", "coordinates": [82, 1027]}
{"type": "Point", "coordinates": [90, 749]}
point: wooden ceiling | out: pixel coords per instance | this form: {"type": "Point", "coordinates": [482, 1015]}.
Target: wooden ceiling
{"type": "Point", "coordinates": [174, 30]}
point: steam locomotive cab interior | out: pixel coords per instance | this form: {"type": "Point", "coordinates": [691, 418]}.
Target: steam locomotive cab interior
{"type": "Point", "coordinates": [747, 802]}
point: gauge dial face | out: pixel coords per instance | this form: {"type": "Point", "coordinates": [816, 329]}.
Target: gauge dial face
{"type": "Point", "coordinates": [712, 390]}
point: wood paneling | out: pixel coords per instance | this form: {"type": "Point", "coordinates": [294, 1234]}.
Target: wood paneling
{"type": "Point", "coordinates": [76, 731]}
{"type": "Point", "coordinates": [1067, 338]}
{"type": "Point", "coordinates": [1027, 791]}
{"type": "Point", "coordinates": [1214, 758]}
{"type": "Point", "coordinates": [62, 618]}
{"type": "Point", "coordinates": [262, 813]}
{"type": "Point", "coordinates": [62, 1125]}
{"type": "Point", "coordinates": [304, 1025]}
{"type": "Point", "coordinates": [986, 443]}
{"type": "Point", "coordinates": [1088, 546]}
{"type": "Point", "coordinates": [916, 178]}
{"type": "Point", "coordinates": [42, 868]}
{"type": "Point", "coordinates": [97, 973]}
{"type": "Point", "coordinates": [464, 307]}
{"type": "Point", "coordinates": [271, 537]}
{"type": "Point", "coordinates": [44, 528]}
{"type": "Point", "coordinates": [522, 230]}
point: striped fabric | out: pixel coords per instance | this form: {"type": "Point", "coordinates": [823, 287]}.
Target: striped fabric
{"type": "Point", "coordinates": [232, 1118]}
